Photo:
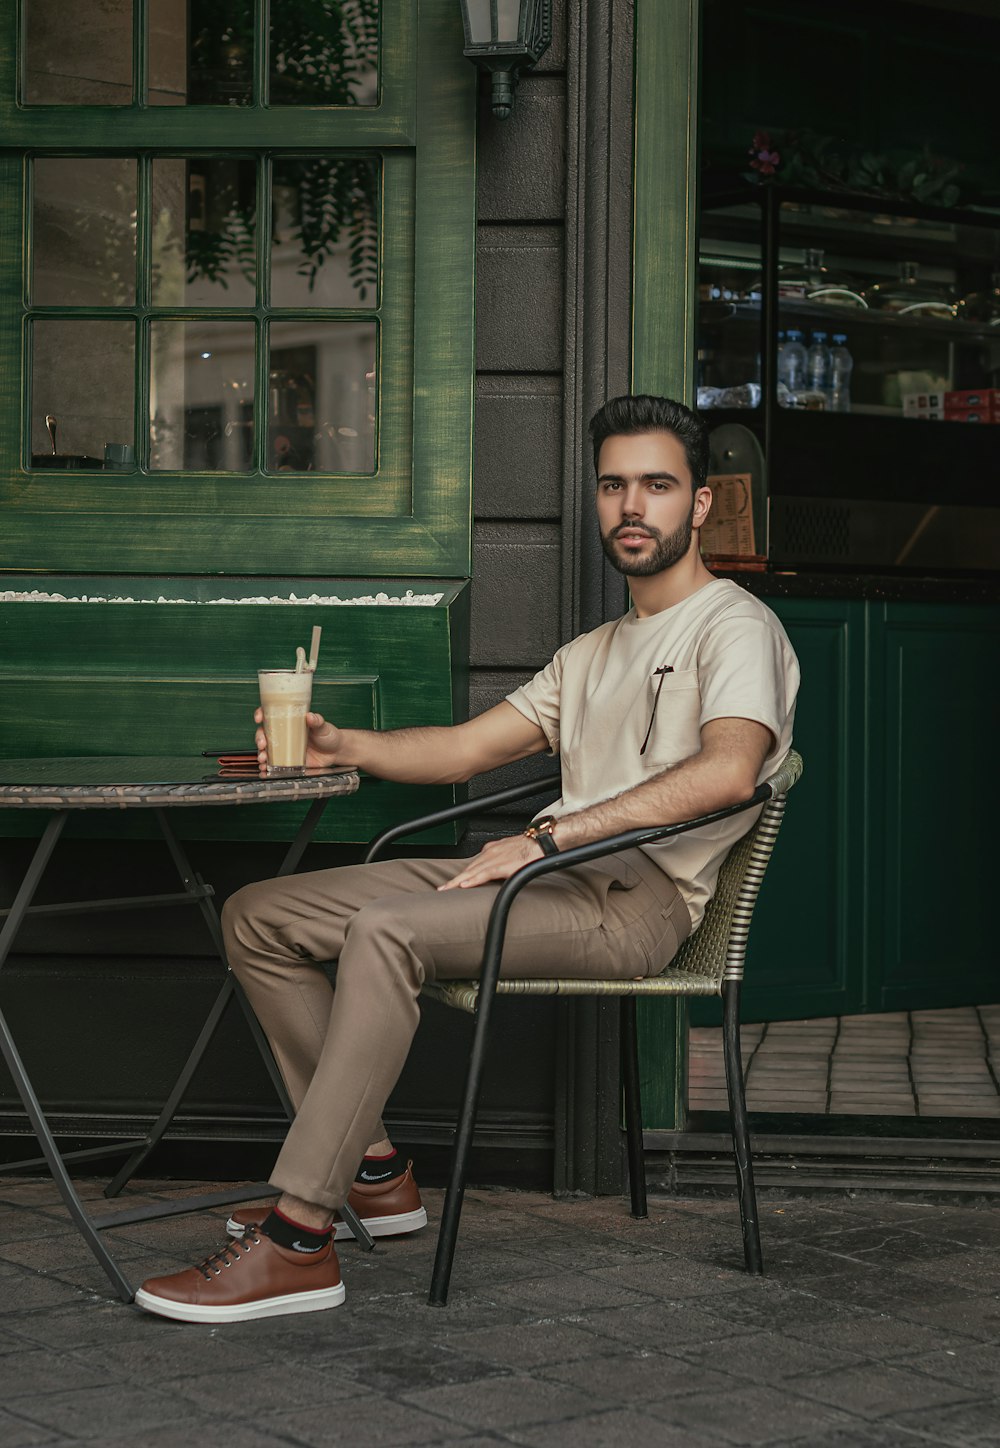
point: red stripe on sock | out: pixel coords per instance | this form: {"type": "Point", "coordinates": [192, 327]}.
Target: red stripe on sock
{"type": "Point", "coordinates": [301, 1226]}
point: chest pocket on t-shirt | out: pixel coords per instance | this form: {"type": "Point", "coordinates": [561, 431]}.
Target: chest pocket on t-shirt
{"type": "Point", "coordinates": [672, 722]}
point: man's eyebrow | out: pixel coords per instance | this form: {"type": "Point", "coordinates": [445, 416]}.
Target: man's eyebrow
{"type": "Point", "coordinates": [639, 477]}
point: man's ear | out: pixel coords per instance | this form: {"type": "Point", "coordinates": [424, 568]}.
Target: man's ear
{"type": "Point", "coordinates": [702, 506]}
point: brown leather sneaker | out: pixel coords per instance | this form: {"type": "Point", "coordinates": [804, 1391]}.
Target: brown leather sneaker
{"type": "Point", "coordinates": [387, 1209]}
{"type": "Point", "coordinates": [253, 1277]}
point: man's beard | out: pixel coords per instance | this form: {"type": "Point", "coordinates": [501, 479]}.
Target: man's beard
{"type": "Point", "coordinates": [668, 551]}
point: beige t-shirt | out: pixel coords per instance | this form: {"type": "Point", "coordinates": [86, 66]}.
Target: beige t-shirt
{"type": "Point", "coordinates": [730, 658]}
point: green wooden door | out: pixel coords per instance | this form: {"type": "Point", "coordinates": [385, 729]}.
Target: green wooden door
{"type": "Point", "coordinates": [807, 946]}
{"type": "Point", "coordinates": [934, 803]}
{"type": "Point", "coordinates": [806, 954]}
{"type": "Point", "coordinates": [877, 895]}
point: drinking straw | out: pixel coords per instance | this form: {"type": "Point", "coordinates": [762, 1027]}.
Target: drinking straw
{"type": "Point", "coordinates": [300, 660]}
{"type": "Point", "coordinates": [314, 648]}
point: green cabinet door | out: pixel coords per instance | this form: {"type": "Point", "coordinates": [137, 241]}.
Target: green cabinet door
{"type": "Point", "coordinates": [875, 898]}
{"type": "Point", "coordinates": [806, 946]}
{"type": "Point", "coordinates": [934, 804]}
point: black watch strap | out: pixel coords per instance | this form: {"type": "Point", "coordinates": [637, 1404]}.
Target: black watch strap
{"type": "Point", "coordinates": [540, 830]}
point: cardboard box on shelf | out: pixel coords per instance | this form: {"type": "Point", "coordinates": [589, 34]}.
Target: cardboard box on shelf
{"type": "Point", "coordinates": [971, 406]}
{"type": "Point", "coordinates": [971, 414]}
{"type": "Point", "coordinates": [977, 399]}
{"type": "Point", "coordinates": [926, 405]}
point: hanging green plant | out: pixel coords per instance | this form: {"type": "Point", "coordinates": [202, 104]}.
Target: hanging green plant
{"type": "Point", "coordinates": [806, 158]}
{"type": "Point", "coordinates": [321, 52]}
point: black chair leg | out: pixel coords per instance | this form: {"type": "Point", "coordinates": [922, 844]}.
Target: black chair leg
{"type": "Point", "coordinates": [452, 1211]}
{"type": "Point", "coordinates": [633, 1106]}
{"type": "Point", "coordinates": [741, 1134]}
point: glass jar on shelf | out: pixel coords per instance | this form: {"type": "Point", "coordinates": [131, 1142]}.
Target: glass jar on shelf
{"type": "Point", "coordinates": [911, 295]}
{"type": "Point", "coordinates": [811, 280]}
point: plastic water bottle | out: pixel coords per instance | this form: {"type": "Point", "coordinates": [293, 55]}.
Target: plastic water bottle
{"type": "Point", "coordinates": [818, 363]}
{"type": "Point", "coordinates": [841, 366]}
{"type": "Point", "coordinates": [792, 366]}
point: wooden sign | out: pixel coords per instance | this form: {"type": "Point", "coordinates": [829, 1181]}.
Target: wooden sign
{"type": "Point", "coordinates": [728, 531]}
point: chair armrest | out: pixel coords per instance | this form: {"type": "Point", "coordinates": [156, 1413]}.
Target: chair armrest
{"type": "Point", "coordinates": [630, 839]}
{"type": "Point", "coordinates": [496, 928]}
{"type": "Point", "coordinates": [547, 784]}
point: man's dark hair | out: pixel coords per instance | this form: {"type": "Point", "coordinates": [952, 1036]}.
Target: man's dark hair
{"type": "Point", "coordinates": [625, 416]}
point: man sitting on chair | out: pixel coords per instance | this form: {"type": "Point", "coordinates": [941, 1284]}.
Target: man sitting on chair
{"type": "Point", "coordinates": [679, 708]}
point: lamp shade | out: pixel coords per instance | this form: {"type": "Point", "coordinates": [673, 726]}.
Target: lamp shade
{"type": "Point", "coordinates": [502, 36]}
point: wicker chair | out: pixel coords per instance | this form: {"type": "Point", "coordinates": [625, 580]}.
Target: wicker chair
{"type": "Point", "coordinates": [710, 962]}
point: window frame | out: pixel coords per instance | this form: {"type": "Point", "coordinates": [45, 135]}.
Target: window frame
{"type": "Point", "coordinates": [414, 513]}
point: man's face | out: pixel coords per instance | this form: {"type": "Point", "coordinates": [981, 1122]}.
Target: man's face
{"type": "Point", "coordinates": [646, 507]}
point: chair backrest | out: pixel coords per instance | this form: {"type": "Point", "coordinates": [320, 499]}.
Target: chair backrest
{"type": "Point", "coordinates": [718, 947]}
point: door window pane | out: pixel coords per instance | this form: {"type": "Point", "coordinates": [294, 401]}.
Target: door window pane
{"type": "Point", "coordinates": [321, 397]}
{"type": "Point", "coordinates": [83, 231]}
{"type": "Point", "coordinates": [201, 396]}
{"type": "Point", "coordinates": [201, 52]}
{"type": "Point", "coordinates": [324, 53]}
{"type": "Point", "coordinates": [82, 382]}
{"type": "Point", "coordinates": [324, 232]}
{"type": "Point", "coordinates": [77, 54]}
{"type": "Point", "coordinates": [203, 220]}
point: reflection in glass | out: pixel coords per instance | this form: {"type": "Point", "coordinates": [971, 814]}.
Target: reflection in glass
{"type": "Point", "coordinates": [203, 217]}
{"type": "Point", "coordinates": [82, 386]}
{"type": "Point", "coordinates": [321, 397]}
{"type": "Point", "coordinates": [77, 54]}
{"type": "Point", "coordinates": [324, 232]}
{"type": "Point", "coordinates": [201, 52]}
{"type": "Point", "coordinates": [83, 231]}
{"type": "Point", "coordinates": [201, 396]}
{"type": "Point", "coordinates": [324, 53]}
{"type": "Point", "coordinates": [494, 20]}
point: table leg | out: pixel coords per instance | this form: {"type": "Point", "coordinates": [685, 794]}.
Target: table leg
{"type": "Point", "coordinates": [15, 1065]}
{"type": "Point", "coordinates": [303, 839]}
{"type": "Point", "coordinates": [194, 885]}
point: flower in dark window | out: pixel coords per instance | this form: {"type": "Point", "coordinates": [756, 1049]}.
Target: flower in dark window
{"type": "Point", "coordinates": [762, 157]}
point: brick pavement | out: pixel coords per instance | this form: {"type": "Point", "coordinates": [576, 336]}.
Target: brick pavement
{"type": "Point", "coordinates": [569, 1324]}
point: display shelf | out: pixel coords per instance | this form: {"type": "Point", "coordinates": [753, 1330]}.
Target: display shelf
{"type": "Point", "coordinates": [843, 319]}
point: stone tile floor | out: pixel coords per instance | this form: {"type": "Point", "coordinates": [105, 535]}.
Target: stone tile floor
{"type": "Point", "coordinates": [569, 1324]}
{"type": "Point", "coordinates": [907, 1063]}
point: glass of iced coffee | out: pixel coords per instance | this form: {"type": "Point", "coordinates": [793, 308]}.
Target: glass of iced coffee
{"type": "Point", "coordinates": [285, 697]}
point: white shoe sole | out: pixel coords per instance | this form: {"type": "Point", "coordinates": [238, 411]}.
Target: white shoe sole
{"type": "Point", "coordinates": [395, 1226]}
{"type": "Point", "coordinates": [244, 1311]}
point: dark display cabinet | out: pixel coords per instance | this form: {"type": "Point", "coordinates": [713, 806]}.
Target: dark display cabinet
{"type": "Point", "coordinates": [886, 455]}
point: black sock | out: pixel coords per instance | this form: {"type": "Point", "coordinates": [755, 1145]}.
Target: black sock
{"type": "Point", "coordinates": [377, 1169]}
{"type": "Point", "coordinates": [286, 1233]}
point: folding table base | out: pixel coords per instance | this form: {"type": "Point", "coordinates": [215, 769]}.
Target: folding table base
{"type": "Point", "coordinates": [196, 892]}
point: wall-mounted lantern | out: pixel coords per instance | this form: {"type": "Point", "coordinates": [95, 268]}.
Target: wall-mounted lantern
{"type": "Point", "coordinates": [502, 36]}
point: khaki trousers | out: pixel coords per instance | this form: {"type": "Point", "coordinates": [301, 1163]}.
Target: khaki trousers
{"type": "Point", "coordinates": [340, 1051]}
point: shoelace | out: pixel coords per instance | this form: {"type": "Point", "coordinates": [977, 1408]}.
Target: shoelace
{"type": "Point", "coordinates": [230, 1253]}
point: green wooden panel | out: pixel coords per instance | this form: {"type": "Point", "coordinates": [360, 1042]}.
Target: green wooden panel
{"type": "Point", "coordinates": [663, 312]}
{"type": "Point", "coordinates": [661, 1027]}
{"type": "Point", "coordinates": [806, 952]}
{"type": "Point", "coordinates": [935, 799]}
{"type": "Point", "coordinates": [154, 678]}
{"type": "Point", "coordinates": [667, 35]}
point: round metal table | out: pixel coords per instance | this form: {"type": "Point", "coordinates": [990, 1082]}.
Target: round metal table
{"type": "Point", "coordinates": [160, 784]}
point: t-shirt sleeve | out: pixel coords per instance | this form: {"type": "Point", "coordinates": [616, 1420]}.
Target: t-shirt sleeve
{"type": "Point", "coordinates": [539, 699]}
{"type": "Point", "coordinates": [747, 670]}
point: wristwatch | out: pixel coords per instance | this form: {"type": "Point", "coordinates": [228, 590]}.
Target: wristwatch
{"type": "Point", "coordinates": [540, 830]}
